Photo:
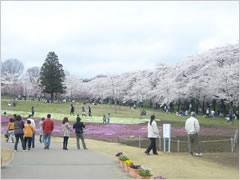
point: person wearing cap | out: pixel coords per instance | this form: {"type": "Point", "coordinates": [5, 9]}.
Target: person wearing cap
{"type": "Point", "coordinates": [192, 128]}
{"type": "Point", "coordinates": [78, 126]}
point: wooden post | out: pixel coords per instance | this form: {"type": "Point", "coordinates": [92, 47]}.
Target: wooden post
{"type": "Point", "coordinates": [178, 145]}
{"type": "Point", "coordinates": [139, 141]}
{"type": "Point", "coordinates": [231, 144]}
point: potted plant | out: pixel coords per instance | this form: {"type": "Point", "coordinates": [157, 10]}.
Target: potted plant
{"type": "Point", "coordinates": [118, 156]}
{"type": "Point", "coordinates": [122, 159]}
{"type": "Point", "coordinates": [144, 173]}
{"type": "Point", "coordinates": [133, 170]}
{"type": "Point", "coordinates": [127, 163]}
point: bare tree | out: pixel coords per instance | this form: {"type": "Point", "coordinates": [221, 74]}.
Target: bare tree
{"type": "Point", "coordinates": [33, 74]}
{"type": "Point", "coordinates": [12, 66]}
{"type": "Point", "coordinates": [11, 71]}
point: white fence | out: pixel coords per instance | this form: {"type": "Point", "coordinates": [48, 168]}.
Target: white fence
{"type": "Point", "coordinates": [232, 141]}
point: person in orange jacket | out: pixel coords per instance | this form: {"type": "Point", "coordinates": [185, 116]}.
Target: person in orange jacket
{"type": "Point", "coordinates": [10, 130]}
{"type": "Point", "coordinates": [28, 133]}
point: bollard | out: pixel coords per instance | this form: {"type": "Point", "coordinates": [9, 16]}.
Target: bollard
{"type": "Point", "coordinates": [139, 141]}
{"type": "Point", "coordinates": [232, 144]}
{"type": "Point", "coordinates": [169, 145]}
{"type": "Point", "coordinates": [178, 145]}
{"type": "Point", "coordinates": [160, 143]}
{"type": "Point", "coordinates": [164, 144]}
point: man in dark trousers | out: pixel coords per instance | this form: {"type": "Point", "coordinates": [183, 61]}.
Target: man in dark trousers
{"type": "Point", "coordinates": [48, 126]}
{"type": "Point", "coordinates": [78, 126]}
{"type": "Point", "coordinates": [72, 110]}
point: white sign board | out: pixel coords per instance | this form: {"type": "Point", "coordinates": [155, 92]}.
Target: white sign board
{"type": "Point", "coordinates": [166, 130]}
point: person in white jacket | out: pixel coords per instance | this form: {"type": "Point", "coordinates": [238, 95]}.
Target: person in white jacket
{"type": "Point", "coordinates": [192, 128]}
{"type": "Point", "coordinates": [153, 133]}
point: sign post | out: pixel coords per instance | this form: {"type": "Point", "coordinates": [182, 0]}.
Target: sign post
{"type": "Point", "coordinates": [167, 135]}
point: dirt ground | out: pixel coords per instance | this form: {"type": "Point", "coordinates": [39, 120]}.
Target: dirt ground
{"type": "Point", "coordinates": [172, 165]}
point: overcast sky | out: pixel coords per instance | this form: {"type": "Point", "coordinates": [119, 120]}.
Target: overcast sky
{"type": "Point", "coordinates": [92, 38]}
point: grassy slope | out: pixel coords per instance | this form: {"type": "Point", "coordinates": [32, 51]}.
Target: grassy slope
{"type": "Point", "coordinates": [124, 114]}
{"type": "Point", "coordinates": [170, 165]}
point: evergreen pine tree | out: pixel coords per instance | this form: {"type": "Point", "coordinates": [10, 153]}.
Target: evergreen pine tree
{"type": "Point", "coordinates": [52, 76]}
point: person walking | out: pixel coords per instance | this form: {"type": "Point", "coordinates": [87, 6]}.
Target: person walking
{"type": "Point", "coordinates": [78, 126]}
{"type": "Point", "coordinates": [72, 110]}
{"type": "Point", "coordinates": [66, 132]}
{"type": "Point", "coordinates": [153, 133]}
{"type": "Point", "coordinates": [34, 126]}
{"type": "Point", "coordinates": [18, 131]}
{"type": "Point", "coordinates": [41, 130]}
{"type": "Point", "coordinates": [108, 118]}
{"type": "Point", "coordinates": [83, 110]}
{"type": "Point", "coordinates": [192, 128]}
{"type": "Point", "coordinates": [89, 111]}
{"type": "Point", "coordinates": [48, 126]}
{"type": "Point", "coordinates": [33, 111]}
{"type": "Point", "coordinates": [104, 119]}
{"type": "Point", "coordinates": [10, 130]}
{"type": "Point", "coordinates": [28, 134]}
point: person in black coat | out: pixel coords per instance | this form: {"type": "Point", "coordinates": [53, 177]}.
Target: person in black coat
{"type": "Point", "coordinates": [72, 110]}
{"type": "Point", "coordinates": [78, 126]}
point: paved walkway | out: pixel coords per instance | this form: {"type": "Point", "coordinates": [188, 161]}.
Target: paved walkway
{"type": "Point", "coordinates": [61, 164]}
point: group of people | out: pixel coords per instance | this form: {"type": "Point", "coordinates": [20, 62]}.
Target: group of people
{"type": "Point", "coordinates": [192, 128]}
{"type": "Point", "coordinates": [27, 136]}
{"type": "Point", "coordinates": [83, 110]}
{"type": "Point", "coordinates": [106, 119]}
{"type": "Point", "coordinates": [26, 132]}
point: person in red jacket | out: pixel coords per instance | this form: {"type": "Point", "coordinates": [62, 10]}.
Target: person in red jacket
{"type": "Point", "coordinates": [48, 127]}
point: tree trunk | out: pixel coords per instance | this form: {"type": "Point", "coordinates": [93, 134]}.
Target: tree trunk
{"type": "Point", "coordinates": [203, 105]}
{"type": "Point", "coordinates": [196, 108]}
{"type": "Point", "coordinates": [178, 106]}
{"type": "Point", "coordinates": [52, 97]}
{"type": "Point", "coordinates": [214, 104]}
{"type": "Point", "coordinates": [150, 104]}
{"type": "Point", "coordinates": [223, 106]}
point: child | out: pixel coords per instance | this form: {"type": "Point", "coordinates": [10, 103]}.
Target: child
{"type": "Point", "coordinates": [108, 118]}
{"type": "Point", "coordinates": [29, 129]}
{"type": "Point", "coordinates": [41, 130]}
{"type": "Point", "coordinates": [10, 130]}
{"type": "Point", "coordinates": [104, 119]}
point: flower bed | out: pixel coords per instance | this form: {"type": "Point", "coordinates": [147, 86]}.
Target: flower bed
{"type": "Point", "coordinates": [111, 132]}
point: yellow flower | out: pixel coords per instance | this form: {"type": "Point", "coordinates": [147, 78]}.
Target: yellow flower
{"type": "Point", "coordinates": [128, 162]}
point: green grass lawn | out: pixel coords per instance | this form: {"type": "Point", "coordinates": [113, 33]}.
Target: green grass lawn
{"type": "Point", "coordinates": [122, 115]}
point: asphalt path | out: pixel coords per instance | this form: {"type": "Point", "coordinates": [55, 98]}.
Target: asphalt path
{"type": "Point", "coordinates": [57, 163]}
